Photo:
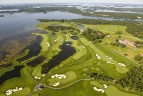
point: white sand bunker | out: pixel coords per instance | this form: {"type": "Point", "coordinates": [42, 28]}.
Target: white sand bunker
{"type": "Point", "coordinates": [48, 44]}
{"type": "Point", "coordinates": [105, 86]}
{"type": "Point", "coordinates": [99, 90]}
{"type": "Point", "coordinates": [59, 76]}
{"type": "Point", "coordinates": [56, 84]}
{"type": "Point", "coordinates": [10, 91]}
{"type": "Point", "coordinates": [98, 57]}
{"type": "Point", "coordinates": [122, 65]}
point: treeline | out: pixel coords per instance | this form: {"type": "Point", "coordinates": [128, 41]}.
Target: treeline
{"type": "Point", "coordinates": [133, 79]}
{"type": "Point", "coordinates": [100, 77]}
{"type": "Point", "coordinates": [87, 12]}
{"type": "Point", "coordinates": [56, 28]}
{"type": "Point", "coordinates": [116, 15]}
{"type": "Point", "coordinates": [48, 9]}
{"type": "Point", "coordinates": [50, 20]}
{"type": "Point", "coordinates": [134, 28]}
{"type": "Point", "coordinates": [93, 35]}
{"type": "Point", "coordinates": [139, 58]}
{"type": "Point", "coordinates": [139, 44]}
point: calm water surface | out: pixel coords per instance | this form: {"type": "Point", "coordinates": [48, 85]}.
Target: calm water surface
{"type": "Point", "coordinates": [25, 22]}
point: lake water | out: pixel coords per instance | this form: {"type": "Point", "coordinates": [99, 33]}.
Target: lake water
{"type": "Point", "coordinates": [16, 23]}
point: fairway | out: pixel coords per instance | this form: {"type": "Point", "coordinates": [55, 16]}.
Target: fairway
{"type": "Point", "coordinates": [116, 92]}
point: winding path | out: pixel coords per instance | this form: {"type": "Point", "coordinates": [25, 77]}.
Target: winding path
{"type": "Point", "coordinates": [67, 85]}
{"type": "Point", "coordinates": [57, 88]}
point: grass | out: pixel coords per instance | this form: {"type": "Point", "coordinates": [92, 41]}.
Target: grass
{"type": "Point", "coordinates": [82, 88]}
{"type": "Point", "coordinates": [24, 92]}
{"type": "Point", "coordinates": [96, 84]}
{"type": "Point", "coordinates": [112, 29]}
{"type": "Point", "coordinates": [113, 91]}
{"type": "Point", "coordinates": [37, 71]}
{"type": "Point", "coordinates": [77, 66]}
{"type": "Point", "coordinates": [118, 57]}
{"type": "Point", "coordinates": [2, 94]}
{"type": "Point", "coordinates": [109, 68]}
{"type": "Point", "coordinates": [70, 76]}
{"type": "Point", "coordinates": [24, 81]}
{"type": "Point", "coordinates": [44, 42]}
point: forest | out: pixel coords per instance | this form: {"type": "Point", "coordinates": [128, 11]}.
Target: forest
{"type": "Point", "coordinates": [134, 28]}
{"type": "Point", "coordinates": [133, 79]}
{"type": "Point", "coordinates": [93, 35]}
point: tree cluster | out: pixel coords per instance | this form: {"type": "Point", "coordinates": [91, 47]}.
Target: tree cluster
{"type": "Point", "coordinates": [139, 44]}
{"type": "Point", "coordinates": [133, 79]}
{"type": "Point", "coordinates": [135, 28]}
{"type": "Point", "coordinates": [100, 77]}
{"type": "Point", "coordinates": [56, 28]}
{"type": "Point", "coordinates": [139, 58]}
{"type": "Point", "coordinates": [118, 44]}
{"type": "Point", "coordinates": [93, 35]}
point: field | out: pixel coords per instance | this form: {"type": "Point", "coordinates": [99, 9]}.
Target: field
{"type": "Point", "coordinates": [101, 58]}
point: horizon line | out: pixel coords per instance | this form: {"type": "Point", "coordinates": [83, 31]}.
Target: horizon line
{"type": "Point", "coordinates": [68, 3]}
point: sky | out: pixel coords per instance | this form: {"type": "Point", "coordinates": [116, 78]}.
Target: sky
{"type": "Point", "coordinates": [71, 1]}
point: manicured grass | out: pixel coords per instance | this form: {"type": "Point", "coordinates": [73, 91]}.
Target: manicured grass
{"type": "Point", "coordinates": [83, 88]}
{"type": "Point", "coordinates": [112, 30]}
{"type": "Point", "coordinates": [24, 92]}
{"type": "Point", "coordinates": [2, 94]}
{"type": "Point", "coordinates": [57, 42]}
{"type": "Point", "coordinates": [35, 94]}
{"type": "Point", "coordinates": [70, 76]}
{"type": "Point", "coordinates": [44, 42]}
{"type": "Point", "coordinates": [96, 84]}
{"type": "Point", "coordinates": [37, 71]}
{"type": "Point", "coordinates": [75, 67]}
{"type": "Point", "coordinates": [25, 81]}
{"type": "Point", "coordinates": [118, 57]}
{"type": "Point", "coordinates": [109, 68]}
{"type": "Point", "coordinates": [113, 91]}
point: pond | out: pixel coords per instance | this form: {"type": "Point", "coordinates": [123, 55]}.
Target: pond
{"type": "Point", "coordinates": [74, 37]}
{"type": "Point", "coordinates": [11, 74]}
{"type": "Point", "coordinates": [67, 51]}
{"type": "Point", "coordinates": [37, 61]}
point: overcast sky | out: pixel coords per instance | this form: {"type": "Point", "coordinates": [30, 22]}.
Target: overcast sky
{"type": "Point", "coordinates": [73, 1]}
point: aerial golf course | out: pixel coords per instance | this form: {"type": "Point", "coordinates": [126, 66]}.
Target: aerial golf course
{"type": "Point", "coordinates": [68, 63]}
